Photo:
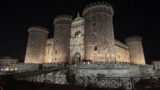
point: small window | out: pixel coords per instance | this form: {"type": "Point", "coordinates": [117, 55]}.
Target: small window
{"type": "Point", "coordinates": [56, 52]}
{"type": "Point", "coordinates": [78, 34]}
{"type": "Point", "coordinates": [93, 17]}
{"type": "Point", "coordinates": [95, 48]}
{"type": "Point", "coordinates": [94, 23]}
{"type": "Point", "coordinates": [95, 34]}
{"type": "Point", "coordinates": [55, 59]}
{"type": "Point", "coordinates": [56, 41]}
{"type": "Point", "coordinates": [93, 20]}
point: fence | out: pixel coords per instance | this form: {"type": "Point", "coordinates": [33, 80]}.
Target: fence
{"type": "Point", "coordinates": [105, 82]}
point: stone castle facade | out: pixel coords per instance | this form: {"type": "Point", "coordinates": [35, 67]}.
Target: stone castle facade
{"type": "Point", "coordinates": [85, 52]}
{"type": "Point", "coordinates": [88, 38]}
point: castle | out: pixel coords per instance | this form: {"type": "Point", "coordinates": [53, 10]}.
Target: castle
{"type": "Point", "coordinates": [83, 51]}
{"type": "Point", "coordinates": [88, 38]}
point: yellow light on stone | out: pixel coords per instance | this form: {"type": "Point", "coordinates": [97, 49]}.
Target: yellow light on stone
{"type": "Point", "coordinates": [6, 69]}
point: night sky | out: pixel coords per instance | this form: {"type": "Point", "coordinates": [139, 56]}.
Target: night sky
{"type": "Point", "coordinates": [132, 17]}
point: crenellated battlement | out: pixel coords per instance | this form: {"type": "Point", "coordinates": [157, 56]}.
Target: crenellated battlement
{"type": "Point", "coordinates": [62, 19]}
{"type": "Point", "coordinates": [103, 65]}
{"type": "Point", "coordinates": [99, 7]}
{"type": "Point", "coordinates": [38, 28]}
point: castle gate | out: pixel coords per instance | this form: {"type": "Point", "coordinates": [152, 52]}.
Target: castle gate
{"type": "Point", "coordinates": [77, 58]}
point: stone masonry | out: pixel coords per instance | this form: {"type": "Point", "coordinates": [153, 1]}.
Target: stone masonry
{"type": "Point", "coordinates": [36, 45]}
{"type": "Point", "coordinates": [62, 28]}
{"type": "Point", "coordinates": [99, 35]}
{"type": "Point", "coordinates": [87, 38]}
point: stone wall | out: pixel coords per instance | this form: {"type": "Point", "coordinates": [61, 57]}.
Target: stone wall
{"type": "Point", "coordinates": [157, 73]}
{"type": "Point", "coordinates": [53, 65]}
{"type": "Point", "coordinates": [77, 40]}
{"type": "Point", "coordinates": [62, 33]}
{"type": "Point", "coordinates": [22, 67]}
{"type": "Point", "coordinates": [99, 34]}
{"type": "Point", "coordinates": [49, 51]}
{"type": "Point", "coordinates": [113, 69]}
{"type": "Point", "coordinates": [36, 44]}
{"type": "Point", "coordinates": [147, 71]}
{"type": "Point", "coordinates": [122, 53]}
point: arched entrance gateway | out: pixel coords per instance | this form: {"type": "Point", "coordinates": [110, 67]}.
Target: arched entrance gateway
{"type": "Point", "coordinates": [77, 58]}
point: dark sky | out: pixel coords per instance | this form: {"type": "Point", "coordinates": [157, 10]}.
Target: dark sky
{"type": "Point", "coordinates": [132, 17]}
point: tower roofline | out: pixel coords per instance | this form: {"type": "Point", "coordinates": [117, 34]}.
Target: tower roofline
{"type": "Point", "coordinates": [65, 17]}
{"type": "Point", "coordinates": [96, 5]}
{"type": "Point", "coordinates": [38, 28]}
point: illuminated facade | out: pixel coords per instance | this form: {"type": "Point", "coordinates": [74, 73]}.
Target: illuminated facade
{"type": "Point", "coordinates": [87, 38]}
{"type": "Point", "coordinates": [49, 51]}
{"type": "Point", "coordinates": [84, 48]}
{"type": "Point", "coordinates": [36, 45]}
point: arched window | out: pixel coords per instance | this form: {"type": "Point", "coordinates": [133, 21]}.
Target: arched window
{"type": "Point", "coordinates": [78, 34]}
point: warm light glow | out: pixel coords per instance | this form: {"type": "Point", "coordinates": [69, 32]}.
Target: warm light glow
{"type": "Point", "coordinates": [11, 69]}
{"type": "Point", "coordinates": [6, 69]}
{"type": "Point", "coordinates": [49, 51]}
{"type": "Point", "coordinates": [78, 34]}
{"type": "Point", "coordinates": [15, 69]}
{"type": "Point", "coordinates": [2, 69]}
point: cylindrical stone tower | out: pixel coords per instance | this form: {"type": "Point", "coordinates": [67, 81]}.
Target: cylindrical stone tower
{"type": "Point", "coordinates": [99, 34]}
{"type": "Point", "coordinates": [62, 33]}
{"type": "Point", "coordinates": [36, 45]}
{"type": "Point", "coordinates": [135, 50]}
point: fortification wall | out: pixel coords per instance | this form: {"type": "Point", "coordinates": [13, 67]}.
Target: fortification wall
{"type": "Point", "coordinates": [24, 67]}
{"type": "Point", "coordinates": [122, 53]}
{"type": "Point", "coordinates": [113, 69]}
{"type": "Point", "coordinates": [49, 51]}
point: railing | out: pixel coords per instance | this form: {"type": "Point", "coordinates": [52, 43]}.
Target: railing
{"type": "Point", "coordinates": [47, 79]}
{"type": "Point", "coordinates": [104, 82]}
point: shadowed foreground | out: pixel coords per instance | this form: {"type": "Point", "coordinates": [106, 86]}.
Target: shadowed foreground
{"type": "Point", "coordinates": [12, 84]}
{"type": "Point", "coordinates": [9, 83]}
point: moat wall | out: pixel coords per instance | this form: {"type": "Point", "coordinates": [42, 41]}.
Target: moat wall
{"type": "Point", "coordinates": [113, 69]}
